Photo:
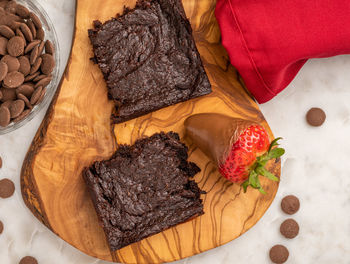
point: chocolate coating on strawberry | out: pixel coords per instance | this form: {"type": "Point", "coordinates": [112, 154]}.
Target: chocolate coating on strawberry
{"type": "Point", "coordinates": [240, 148]}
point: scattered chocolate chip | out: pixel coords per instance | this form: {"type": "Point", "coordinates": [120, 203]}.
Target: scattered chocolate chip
{"type": "Point", "coordinates": [28, 260]}
{"type": "Point", "coordinates": [12, 63]}
{"type": "Point", "coordinates": [8, 94]}
{"type": "Point", "coordinates": [289, 228]}
{"type": "Point", "coordinates": [5, 116]}
{"type": "Point", "coordinates": [31, 77]}
{"type": "Point", "coordinates": [24, 65]}
{"type": "Point", "coordinates": [290, 204]}
{"type": "Point", "coordinates": [31, 45]}
{"type": "Point", "coordinates": [315, 116]}
{"type": "Point", "coordinates": [16, 108]}
{"type": "Point", "coordinates": [15, 46]}
{"type": "Point", "coordinates": [44, 82]}
{"type": "Point", "coordinates": [3, 70]}
{"type": "Point", "coordinates": [1, 227]}
{"type": "Point", "coordinates": [24, 114]}
{"type": "Point", "coordinates": [49, 48]}
{"type": "Point", "coordinates": [7, 188]}
{"type": "Point", "coordinates": [36, 95]}
{"type": "Point", "coordinates": [32, 28]}
{"type": "Point", "coordinates": [48, 63]}
{"type": "Point", "coordinates": [6, 31]}
{"type": "Point", "coordinates": [22, 11]}
{"type": "Point", "coordinates": [14, 79]}
{"type": "Point", "coordinates": [40, 34]}
{"type": "Point", "coordinates": [34, 55]}
{"type": "Point", "coordinates": [25, 89]}
{"type": "Point", "coordinates": [279, 254]}
{"type": "Point", "coordinates": [25, 100]}
{"type": "Point", "coordinates": [26, 32]}
{"type": "Point", "coordinates": [3, 45]}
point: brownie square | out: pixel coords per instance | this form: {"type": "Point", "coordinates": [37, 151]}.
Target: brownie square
{"type": "Point", "coordinates": [148, 58]}
{"type": "Point", "coordinates": [144, 189]}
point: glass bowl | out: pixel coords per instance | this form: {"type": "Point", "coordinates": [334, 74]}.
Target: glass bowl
{"type": "Point", "coordinates": [50, 34]}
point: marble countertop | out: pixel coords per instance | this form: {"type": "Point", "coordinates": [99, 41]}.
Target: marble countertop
{"type": "Point", "coordinates": [314, 169]}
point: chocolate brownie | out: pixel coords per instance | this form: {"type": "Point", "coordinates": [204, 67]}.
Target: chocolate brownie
{"type": "Point", "coordinates": [144, 189]}
{"type": "Point", "coordinates": [148, 58]}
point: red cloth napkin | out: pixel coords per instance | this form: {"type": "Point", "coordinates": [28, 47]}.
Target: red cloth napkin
{"type": "Point", "coordinates": [268, 41]}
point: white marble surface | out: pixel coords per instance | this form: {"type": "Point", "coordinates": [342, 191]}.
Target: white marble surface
{"type": "Point", "coordinates": [314, 168]}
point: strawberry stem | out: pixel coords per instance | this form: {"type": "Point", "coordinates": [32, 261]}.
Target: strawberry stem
{"type": "Point", "coordinates": [258, 168]}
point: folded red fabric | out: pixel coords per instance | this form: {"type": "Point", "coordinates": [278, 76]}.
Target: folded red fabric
{"type": "Point", "coordinates": [268, 41]}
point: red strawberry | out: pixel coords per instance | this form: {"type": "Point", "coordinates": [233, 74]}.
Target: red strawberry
{"type": "Point", "coordinates": [240, 148]}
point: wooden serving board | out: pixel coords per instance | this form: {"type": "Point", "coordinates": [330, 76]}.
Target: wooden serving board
{"type": "Point", "coordinates": [76, 131]}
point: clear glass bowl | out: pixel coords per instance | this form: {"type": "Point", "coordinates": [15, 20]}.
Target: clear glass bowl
{"type": "Point", "coordinates": [50, 34]}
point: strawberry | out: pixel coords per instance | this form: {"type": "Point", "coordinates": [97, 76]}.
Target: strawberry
{"type": "Point", "coordinates": [240, 148]}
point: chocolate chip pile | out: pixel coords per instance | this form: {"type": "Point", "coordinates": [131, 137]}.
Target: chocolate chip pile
{"type": "Point", "coordinates": [289, 229]}
{"type": "Point", "coordinates": [26, 62]}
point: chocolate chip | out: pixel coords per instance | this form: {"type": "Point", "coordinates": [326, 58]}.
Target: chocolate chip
{"type": "Point", "coordinates": [15, 46]}
{"type": "Point", "coordinates": [25, 89]}
{"type": "Point", "coordinates": [41, 98]}
{"type": "Point", "coordinates": [8, 94]}
{"type": "Point", "coordinates": [40, 34]}
{"type": "Point", "coordinates": [31, 77]}
{"type": "Point", "coordinates": [26, 32]}
{"type": "Point", "coordinates": [36, 95]}
{"type": "Point", "coordinates": [11, 7]}
{"type": "Point", "coordinates": [22, 11]}
{"type": "Point", "coordinates": [7, 188]}
{"type": "Point", "coordinates": [16, 108]}
{"type": "Point", "coordinates": [31, 45]}
{"type": "Point", "coordinates": [28, 260]}
{"type": "Point", "coordinates": [35, 20]}
{"type": "Point", "coordinates": [24, 114]}
{"type": "Point", "coordinates": [41, 48]}
{"type": "Point", "coordinates": [290, 204]}
{"type": "Point", "coordinates": [6, 32]}
{"type": "Point", "coordinates": [49, 48]}
{"type": "Point", "coordinates": [12, 63]}
{"type": "Point", "coordinates": [48, 64]}
{"type": "Point", "coordinates": [40, 77]}
{"type": "Point", "coordinates": [14, 79]}
{"type": "Point", "coordinates": [24, 65]}
{"type": "Point", "coordinates": [36, 65]}
{"type": "Point", "coordinates": [34, 55]}
{"type": "Point", "coordinates": [32, 28]}
{"type": "Point", "coordinates": [7, 104]}
{"type": "Point", "coordinates": [279, 254]}
{"type": "Point", "coordinates": [25, 100]}
{"type": "Point", "coordinates": [4, 116]}
{"type": "Point", "coordinates": [289, 228]}
{"type": "Point", "coordinates": [315, 116]}
{"type": "Point", "coordinates": [3, 70]}
{"type": "Point", "coordinates": [3, 45]}
{"type": "Point", "coordinates": [44, 82]}
{"type": "Point", "coordinates": [20, 34]}
{"type": "Point", "coordinates": [1, 227]}
{"type": "Point", "coordinates": [0, 166]}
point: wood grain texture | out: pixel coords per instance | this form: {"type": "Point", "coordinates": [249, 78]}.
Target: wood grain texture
{"type": "Point", "coordinates": [76, 131]}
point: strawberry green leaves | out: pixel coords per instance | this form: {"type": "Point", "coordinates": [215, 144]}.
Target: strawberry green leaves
{"type": "Point", "coordinates": [258, 168]}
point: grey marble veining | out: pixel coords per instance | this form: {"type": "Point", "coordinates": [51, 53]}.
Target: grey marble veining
{"type": "Point", "coordinates": [314, 168]}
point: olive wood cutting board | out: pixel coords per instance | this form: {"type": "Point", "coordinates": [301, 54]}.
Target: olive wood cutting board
{"type": "Point", "coordinates": [76, 131]}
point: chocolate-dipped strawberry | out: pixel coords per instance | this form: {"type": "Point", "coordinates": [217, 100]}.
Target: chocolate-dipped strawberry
{"type": "Point", "coordinates": [240, 148]}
